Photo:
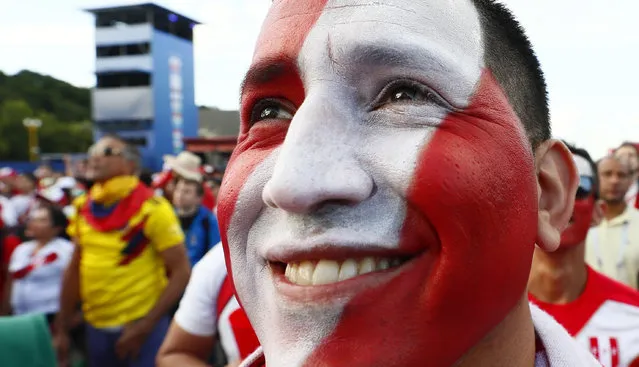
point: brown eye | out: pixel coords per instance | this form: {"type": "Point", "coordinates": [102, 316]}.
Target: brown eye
{"type": "Point", "coordinates": [405, 94]}
{"type": "Point", "coordinates": [270, 110]}
{"type": "Point", "coordinates": [408, 91]}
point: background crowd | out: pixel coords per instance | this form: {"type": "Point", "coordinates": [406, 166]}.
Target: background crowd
{"type": "Point", "coordinates": [168, 227]}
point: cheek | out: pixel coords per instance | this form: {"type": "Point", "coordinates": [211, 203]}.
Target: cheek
{"type": "Point", "coordinates": [252, 149]}
{"type": "Point", "coordinates": [475, 184]}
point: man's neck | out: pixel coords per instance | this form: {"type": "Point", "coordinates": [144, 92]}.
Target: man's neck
{"type": "Point", "coordinates": [614, 209]}
{"type": "Point", "coordinates": [559, 277]}
{"type": "Point", "coordinates": [509, 344]}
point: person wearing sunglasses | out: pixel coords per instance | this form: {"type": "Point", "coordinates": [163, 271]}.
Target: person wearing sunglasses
{"type": "Point", "coordinates": [129, 266]}
{"type": "Point", "coordinates": [601, 313]}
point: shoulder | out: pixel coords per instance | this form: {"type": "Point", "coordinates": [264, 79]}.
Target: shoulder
{"type": "Point", "coordinates": [156, 202]}
{"type": "Point", "coordinates": [615, 291]}
{"type": "Point", "coordinates": [62, 244]}
{"type": "Point", "coordinates": [561, 348]}
{"type": "Point", "coordinates": [80, 200]}
{"type": "Point", "coordinates": [22, 250]}
{"type": "Point", "coordinates": [633, 214]}
{"type": "Point", "coordinates": [212, 265]}
{"type": "Point", "coordinates": [157, 208]}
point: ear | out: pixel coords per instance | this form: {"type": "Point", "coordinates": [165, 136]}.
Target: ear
{"type": "Point", "coordinates": [557, 182]}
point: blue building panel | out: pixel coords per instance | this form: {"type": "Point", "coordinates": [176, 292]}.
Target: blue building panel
{"type": "Point", "coordinates": [174, 93]}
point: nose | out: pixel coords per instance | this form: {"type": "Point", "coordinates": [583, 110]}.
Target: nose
{"type": "Point", "coordinates": [317, 163]}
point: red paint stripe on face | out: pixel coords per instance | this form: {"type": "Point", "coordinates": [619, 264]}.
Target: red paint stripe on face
{"type": "Point", "coordinates": [475, 185]}
{"type": "Point", "coordinates": [279, 45]}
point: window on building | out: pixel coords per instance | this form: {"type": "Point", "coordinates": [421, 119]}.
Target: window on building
{"type": "Point", "coordinates": [120, 18]}
{"type": "Point", "coordinates": [143, 48]}
{"type": "Point", "coordinates": [137, 141]}
{"type": "Point", "coordinates": [124, 125]}
{"type": "Point", "coordinates": [123, 79]}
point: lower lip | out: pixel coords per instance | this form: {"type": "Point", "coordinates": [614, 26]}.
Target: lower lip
{"type": "Point", "coordinates": [330, 293]}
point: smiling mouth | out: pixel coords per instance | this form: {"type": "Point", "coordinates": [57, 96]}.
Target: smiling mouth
{"type": "Point", "coordinates": [324, 272]}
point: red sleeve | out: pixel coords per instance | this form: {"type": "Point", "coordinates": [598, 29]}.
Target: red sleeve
{"type": "Point", "coordinates": [10, 243]}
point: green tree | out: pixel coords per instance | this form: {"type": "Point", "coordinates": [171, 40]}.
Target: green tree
{"type": "Point", "coordinates": [14, 139]}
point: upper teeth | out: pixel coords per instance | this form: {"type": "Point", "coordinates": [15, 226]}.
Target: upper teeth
{"type": "Point", "coordinates": [330, 271]}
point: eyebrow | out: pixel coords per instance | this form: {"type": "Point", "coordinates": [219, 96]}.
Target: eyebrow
{"type": "Point", "coordinates": [395, 56]}
{"type": "Point", "coordinates": [264, 72]}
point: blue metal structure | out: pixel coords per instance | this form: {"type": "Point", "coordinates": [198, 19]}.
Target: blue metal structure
{"type": "Point", "coordinates": [145, 78]}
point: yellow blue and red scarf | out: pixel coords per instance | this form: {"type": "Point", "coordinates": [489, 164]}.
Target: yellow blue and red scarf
{"type": "Point", "coordinates": [112, 204]}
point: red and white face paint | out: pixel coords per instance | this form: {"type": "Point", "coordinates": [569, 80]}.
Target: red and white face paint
{"type": "Point", "coordinates": [376, 147]}
{"type": "Point", "coordinates": [577, 230]}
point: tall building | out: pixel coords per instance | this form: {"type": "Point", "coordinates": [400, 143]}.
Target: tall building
{"type": "Point", "coordinates": [145, 78]}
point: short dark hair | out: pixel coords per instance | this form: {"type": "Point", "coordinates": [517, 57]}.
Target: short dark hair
{"type": "Point", "coordinates": [58, 218]}
{"type": "Point", "coordinates": [199, 187]}
{"type": "Point", "coordinates": [583, 153]}
{"type": "Point", "coordinates": [511, 58]}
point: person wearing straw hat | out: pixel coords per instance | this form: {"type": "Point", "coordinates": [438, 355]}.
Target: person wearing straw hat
{"type": "Point", "coordinates": [187, 165]}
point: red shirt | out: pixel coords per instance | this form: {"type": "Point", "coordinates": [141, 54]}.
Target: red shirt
{"type": "Point", "coordinates": [604, 319]}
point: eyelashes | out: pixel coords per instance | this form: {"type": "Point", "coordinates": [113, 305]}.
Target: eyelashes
{"type": "Point", "coordinates": [396, 93]}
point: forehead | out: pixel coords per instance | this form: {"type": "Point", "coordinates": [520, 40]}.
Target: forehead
{"type": "Point", "coordinates": [110, 142]}
{"type": "Point", "coordinates": [626, 150]}
{"type": "Point", "coordinates": [321, 37]}
{"type": "Point", "coordinates": [39, 213]}
{"type": "Point", "coordinates": [583, 166]}
{"type": "Point", "coordinates": [611, 164]}
{"type": "Point", "coordinates": [184, 184]}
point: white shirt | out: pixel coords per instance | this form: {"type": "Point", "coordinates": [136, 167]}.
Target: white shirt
{"type": "Point", "coordinates": [8, 212]}
{"type": "Point", "coordinates": [197, 313]}
{"type": "Point", "coordinates": [612, 247]}
{"type": "Point", "coordinates": [631, 194]}
{"type": "Point", "coordinates": [39, 291]}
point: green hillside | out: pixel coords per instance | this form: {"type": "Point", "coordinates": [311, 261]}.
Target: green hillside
{"type": "Point", "coordinates": [64, 109]}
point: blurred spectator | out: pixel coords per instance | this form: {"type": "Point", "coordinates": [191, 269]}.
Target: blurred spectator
{"type": "Point", "coordinates": [198, 223]}
{"type": "Point", "coordinates": [7, 181]}
{"type": "Point", "coordinates": [208, 310]}
{"type": "Point", "coordinates": [43, 172]}
{"type": "Point", "coordinates": [129, 266]}
{"type": "Point", "coordinates": [600, 313]}
{"type": "Point", "coordinates": [613, 246]}
{"type": "Point", "coordinates": [8, 214]}
{"type": "Point", "coordinates": [36, 266]}
{"type": "Point", "coordinates": [187, 165]}
{"type": "Point", "coordinates": [26, 184]}
{"type": "Point", "coordinates": [628, 154]}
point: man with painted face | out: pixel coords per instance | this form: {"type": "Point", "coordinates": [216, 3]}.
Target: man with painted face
{"type": "Point", "coordinates": [602, 314]}
{"type": "Point", "coordinates": [393, 173]}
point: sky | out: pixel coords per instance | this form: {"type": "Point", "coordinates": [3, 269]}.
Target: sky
{"type": "Point", "coordinates": [589, 51]}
